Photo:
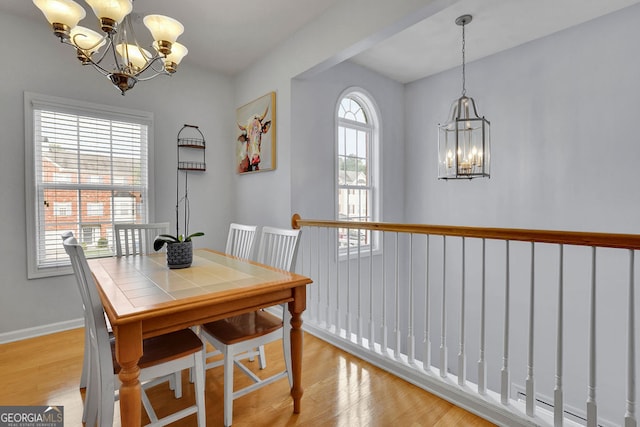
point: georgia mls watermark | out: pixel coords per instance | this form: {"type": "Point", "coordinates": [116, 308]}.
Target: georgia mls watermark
{"type": "Point", "coordinates": [31, 416]}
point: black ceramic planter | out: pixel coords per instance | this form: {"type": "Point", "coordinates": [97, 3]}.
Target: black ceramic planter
{"type": "Point", "coordinates": [179, 255]}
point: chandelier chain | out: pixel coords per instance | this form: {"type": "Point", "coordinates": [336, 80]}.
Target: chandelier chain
{"type": "Point", "coordinates": [464, 88]}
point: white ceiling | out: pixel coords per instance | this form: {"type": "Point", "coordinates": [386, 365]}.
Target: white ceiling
{"type": "Point", "coordinates": [434, 44]}
{"type": "Point", "coordinates": [229, 35]}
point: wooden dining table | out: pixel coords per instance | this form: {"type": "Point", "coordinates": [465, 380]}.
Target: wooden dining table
{"type": "Point", "coordinates": [143, 298]}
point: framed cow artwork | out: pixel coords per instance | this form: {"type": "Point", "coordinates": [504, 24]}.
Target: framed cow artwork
{"type": "Point", "coordinates": [256, 135]}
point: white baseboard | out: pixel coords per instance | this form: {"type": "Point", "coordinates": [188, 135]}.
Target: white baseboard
{"type": "Point", "coordinates": [37, 331]}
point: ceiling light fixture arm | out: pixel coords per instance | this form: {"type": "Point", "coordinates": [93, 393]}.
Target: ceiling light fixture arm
{"type": "Point", "coordinates": [125, 61]}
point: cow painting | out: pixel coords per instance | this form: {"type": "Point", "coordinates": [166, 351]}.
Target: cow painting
{"type": "Point", "coordinates": [254, 122]}
{"type": "Point", "coordinates": [250, 140]}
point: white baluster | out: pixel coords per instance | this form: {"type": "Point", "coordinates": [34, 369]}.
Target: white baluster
{"type": "Point", "coordinates": [630, 414]}
{"type": "Point", "coordinates": [482, 365]}
{"type": "Point", "coordinates": [592, 406]}
{"type": "Point", "coordinates": [348, 314]}
{"type": "Point", "coordinates": [443, 327]}
{"type": "Point", "coordinates": [385, 330]}
{"type": "Point", "coordinates": [319, 287]}
{"type": "Point", "coordinates": [558, 399]}
{"type": "Point", "coordinates": [372, 329]}
{"type": "Point", "coordinates": [530, 384]}
{"type": "Point", "coordinates": [411, 341]}
{"type": "Point", "coordinates": [461, 355]}
{"type": "Point", "coordinates": [396, 352]}
{"type": "Point", "coordinates": [427, 312]}
{"type": "Point", "coordinates": [504, 372]}
{"type": "Point", "coordinates": [337, 307]}
{"type": "Point", "coordinates": [331, 248]}
{"type": "Point", "coordinates": [359, 312]}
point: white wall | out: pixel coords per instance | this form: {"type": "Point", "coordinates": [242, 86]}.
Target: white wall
{"type": "Point", "coordinates": [564, 144]}
{"type": "Point", "coordinates": [330, 39]}
{"type": "Point", "coordinates": [39, 63]}
{"type": "Point", "coordinates": [563, 116]}
{"type": "Point", "coordinates": [192, 96]}
{"type": "Point", "coordinates": [314, 146]}
{"type": "Point", "coordinates": [565, 150]}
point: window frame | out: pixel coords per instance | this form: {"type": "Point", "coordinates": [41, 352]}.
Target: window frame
{"type": "Point", "coordinates": [34, 101]}
{"type": "Point", "coordinates": [371, 110]}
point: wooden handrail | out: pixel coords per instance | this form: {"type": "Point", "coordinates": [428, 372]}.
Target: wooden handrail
{"type": "Point", "coordinates": [605, 240]}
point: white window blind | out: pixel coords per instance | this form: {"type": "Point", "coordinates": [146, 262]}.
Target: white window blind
{"type": "Point", "coordinates": [89, 170]}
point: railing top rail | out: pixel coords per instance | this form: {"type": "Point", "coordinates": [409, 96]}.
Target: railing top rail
{"type": "Point", "coordinates": [607, 240]}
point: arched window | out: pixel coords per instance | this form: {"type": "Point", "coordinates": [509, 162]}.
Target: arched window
{"type": "Point", "coordinates": [357, 147]}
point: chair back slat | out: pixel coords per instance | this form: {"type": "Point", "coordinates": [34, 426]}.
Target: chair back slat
{"type": "Point", "coordinates": [278, 247]}
{"type": "Point", "coordinates": [137, 239]}
{"type": "Point", "coordinates": [240, 240]}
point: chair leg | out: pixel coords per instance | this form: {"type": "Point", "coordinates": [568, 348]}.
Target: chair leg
{"type": "Point", "coordinates": [92, 394]}
{"type": "Point", "coordinates": [148, 407]}
{"type": "Point", "coordinates": [262, 358]}
{"type": "Point", "coordinates": [286, 344]}
{"type": "Point", "coordinates": [106, 402]}
{"type": "Point", "coordinates": [85, 360]}
{"type": "Point", "coordinates": [198, 384]}
{"type": "Point", "coordinates": [85, 381]}
{"type": "Point", "coordinates": [286, 347]}
{"type": "Point", "coordinates": [228, 387]}
{"type": "Point", "coordinates": [175, 384]}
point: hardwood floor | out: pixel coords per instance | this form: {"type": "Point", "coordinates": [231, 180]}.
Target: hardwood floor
{"type": "Point", "coordinates": [339, 389]}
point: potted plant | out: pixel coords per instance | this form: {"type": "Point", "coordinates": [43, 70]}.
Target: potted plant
{"type": "Point", "coordinates": [179, 249]}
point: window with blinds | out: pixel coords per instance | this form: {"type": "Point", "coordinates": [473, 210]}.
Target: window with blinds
{"type": "Point", "coordinates": [89, 170]}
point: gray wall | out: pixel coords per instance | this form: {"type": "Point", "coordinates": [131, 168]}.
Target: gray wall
{"type": "Point", "coordinates": [191, 96]}
{"type": "Point", "coordinates": [563, 116]}
{"type": "Point", "coordinates": [565, 149]}
{"type": "Point", "coordinates": [327, 41]}
{"type": "Point", "coordinates": [314, 147]}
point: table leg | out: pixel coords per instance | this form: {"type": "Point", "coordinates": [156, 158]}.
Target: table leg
{"type": "Point", "coordinates": [296, 307]}
{"type": "Point", "coordinates": [128, 352]}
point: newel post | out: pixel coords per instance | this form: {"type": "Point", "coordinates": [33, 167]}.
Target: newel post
{"type": "Point", "coordinates": [294, 221]}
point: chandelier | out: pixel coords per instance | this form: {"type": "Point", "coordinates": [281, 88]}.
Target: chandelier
{"type": "Point", "coordinates": [116, 53]}
{"type": "Point", "coordinates": [464, 140]}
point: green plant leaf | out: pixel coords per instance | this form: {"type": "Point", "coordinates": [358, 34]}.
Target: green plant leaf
{"type": "Point", "coordinates": [199, 233]}
{"type": "Point", "coordinates": [160, 240]}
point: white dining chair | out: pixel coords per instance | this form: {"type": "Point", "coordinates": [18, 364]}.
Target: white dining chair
{"type": "Point", "coordinates": [237, 336]}
{"type": "Point", "coordinates": [162, 356]}
{"type": "Point", "coordinates": [84, 376]}
{"type": "Point", "coordinates": [137, 239]}
{"type": "Point", "coordinates": [240, 240]}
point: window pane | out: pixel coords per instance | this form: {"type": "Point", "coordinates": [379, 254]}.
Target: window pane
{"type": "Point", "coordinates": [95, 209]}
{"type": "Point", "coordinates": [350, 109]}
{"type": "Point", "coordinates": [351, 142]}
{"type": "Point", "coordinates": [362, 144]}
{"type": "Point", "coordinates": [341, 170]}
{"type": "Point", "coordinates": [363, 177]}
{"type": "Point", "coordinates": [355, 204]}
